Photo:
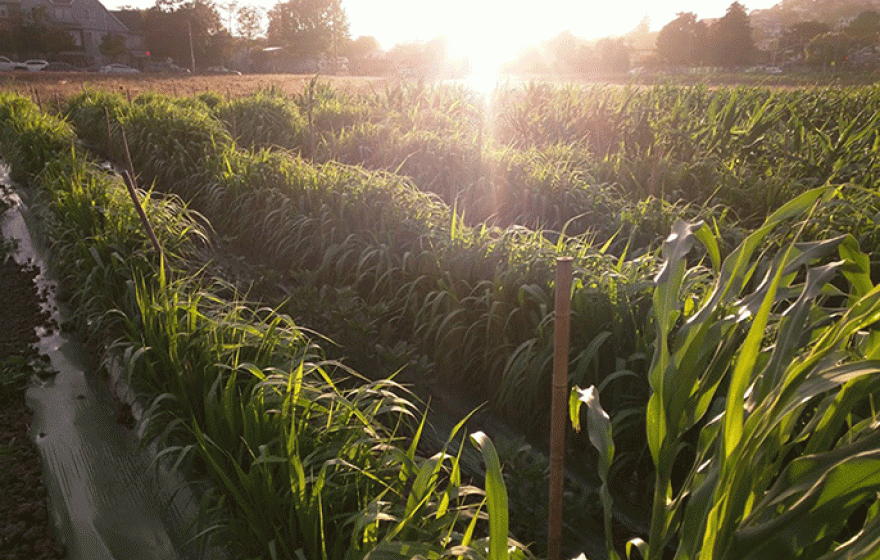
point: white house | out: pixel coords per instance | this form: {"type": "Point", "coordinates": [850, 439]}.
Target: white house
{"type": "Point", "coordinates": [87, 22]}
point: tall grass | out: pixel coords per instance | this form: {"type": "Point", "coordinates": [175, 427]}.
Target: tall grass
{"type": "Point", "coordinates": [30, 139]}
{"type": "Point", "coordinates": [296, 461]}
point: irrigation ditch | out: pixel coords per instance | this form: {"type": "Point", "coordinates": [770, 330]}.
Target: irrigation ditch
{"type": "Point", "coordinates": [25, 526]}
{"type": "Point", "coordinates": [108, 497]}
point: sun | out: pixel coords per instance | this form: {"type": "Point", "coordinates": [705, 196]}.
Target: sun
{"type": "Point", "coordinates": [486, 54]}
{"type": "Point", "coordinates": [484, 73]}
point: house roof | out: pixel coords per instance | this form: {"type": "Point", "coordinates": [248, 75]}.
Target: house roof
{"type": "Point", "coordinates": [132, 19]}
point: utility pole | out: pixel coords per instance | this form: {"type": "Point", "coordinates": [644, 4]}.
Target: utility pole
{"type": "Point", "coordinates": [192, 56]}
{"type": "Point", "coordinates": [335, 8]}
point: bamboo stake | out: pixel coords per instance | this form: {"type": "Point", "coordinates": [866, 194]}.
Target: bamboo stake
{"type": "Point", "coordinates": [128, 179]}
{"type": "Point", "coordinates": [311, 122]}
{"type": "Point", "coordinates": [128, 162]}
{"type": "Point", "coordinates": [559, 404]}
{"type": "Point", "coordinates": [129, 184]}
{"type": "Point", "coordinates": [110, 150]}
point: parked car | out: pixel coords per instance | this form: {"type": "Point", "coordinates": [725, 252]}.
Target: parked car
{"type": "Point", "coordinates": [6, 65]}
{"type": "Point", "coordinates": [60, 67]}
{"type": "Point", "coordinates": [166, 67]}
{"type": "Point", "coordinates": [221, 70]}
{"type": "Point", "coordinates": [34, 65]}
{"type": "Point", "coordinates": [118, 68]}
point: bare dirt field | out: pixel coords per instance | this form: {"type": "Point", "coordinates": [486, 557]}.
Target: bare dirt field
{"type": "Point", "coordinates": [47, 87]}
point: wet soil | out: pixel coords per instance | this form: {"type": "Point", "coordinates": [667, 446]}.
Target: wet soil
{"type": "Point", "coordinates": [25, 526]}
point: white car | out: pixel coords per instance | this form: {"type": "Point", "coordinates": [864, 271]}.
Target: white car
{"type": "Point", "coordinates": [118, 68]}
{"type": "Point", "coordinates": [34, 65]}
{"type": "Point", "coordinates": [6, 65]}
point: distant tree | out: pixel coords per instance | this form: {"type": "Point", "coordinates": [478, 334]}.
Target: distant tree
{"type": "Point", "coordinates": [424, 58]}
{"type": "Point", "coordinates": [641, 37]}
{"type": "Point", "coordinates": [250, 22]}
{"type": "Point", "coordinates": [731, 38]}
{"type": "Point", "coordinates": [169, 24]}
{"type": "Point", "coordinates": [55, 40]}
{"type": "Point", "coordinates": [613, 54]}
{"type": "Point", "coordinates": [682, 41]}
{"type": "Point", "coordinates": [865, 28]}
{"type": "Point", "coordinates": [829, 49]}
{"type": "Point", "coordinates": [38, 35]}
{"type": "Point", "coordinates": [363, 56]}
{"type": "Point", "coordinates": [113, 47]}
{"type": "Point", "coordinates": [798, 36]}
{"type": "Point", "coordinates": [362, 47]}
{"type": "Point", "coordinates": [308, 27]}
{"type": "Point", "coordinates": [565, 50]}
{"type": "Point", "coordinates": [531, 60]}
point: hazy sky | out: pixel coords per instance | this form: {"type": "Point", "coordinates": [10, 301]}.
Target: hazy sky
{"type": "Point", "coordinates": [502, 26]}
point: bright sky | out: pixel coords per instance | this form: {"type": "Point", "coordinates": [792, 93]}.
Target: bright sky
{"type": "Point", "coordinates": [497, 28]}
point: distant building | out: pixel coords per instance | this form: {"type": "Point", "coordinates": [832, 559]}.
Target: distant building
{"type": "Point", "coordinates": [86, 21]}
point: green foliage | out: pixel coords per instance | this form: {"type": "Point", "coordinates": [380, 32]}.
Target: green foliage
{"type": "Point", "coordinates": [295, 459]}
{"type": "Point", "coordinates": [761, 421]}
{"type": "Point", "coordinates": [113, 47]}
{"type": "Point", "coordinates": [386, 235]}
{"type": "Point", "coordinates": [264, 121]}
{"type": "Point", "coordinates": [29, 139]}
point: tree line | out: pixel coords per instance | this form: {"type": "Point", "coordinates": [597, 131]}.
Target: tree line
{"type": "Point", "coordinates": [687, 41]}
{"type": "Point", "coordinates": [210, 32]}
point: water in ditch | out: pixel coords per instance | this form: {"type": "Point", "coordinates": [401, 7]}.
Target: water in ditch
{"type": "Point", "coordinates": [108, 500]}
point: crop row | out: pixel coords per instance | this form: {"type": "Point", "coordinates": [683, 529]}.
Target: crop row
{"type": "Point", "coordinates": [547, 157]}
{"type": "Point", "coordinates": [750, 356]}
{"type": "Point", "coordinates": [291, 463]}
{"type": "Point", "coordinates": [394, 273]}
{"type": "Point", "coordinates": [476, 301]}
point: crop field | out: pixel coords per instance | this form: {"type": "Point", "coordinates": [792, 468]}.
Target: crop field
{"type": "Point", "coordinates": [333, 256]}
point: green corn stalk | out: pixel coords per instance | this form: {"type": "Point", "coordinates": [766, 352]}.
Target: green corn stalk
{"type": "Point", "coordinates": [744, 495]}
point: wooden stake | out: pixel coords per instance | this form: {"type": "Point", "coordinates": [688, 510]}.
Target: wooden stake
{"type": "Point", "coordinates": [110, 151]}
{"type": "Point", "coordinates": [129, 184]}
{"type": "Point", "coordinates": [311, 122]}
{"type": "Point", "coordinates": [559, 405]}
{"type": "Point", "coordinates": [128, 163]}
{"type": "Point", "coordinates": [128, 178]}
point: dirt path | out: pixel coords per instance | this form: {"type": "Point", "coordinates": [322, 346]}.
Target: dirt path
{"type": "Point", "coordinates": [25, 527]}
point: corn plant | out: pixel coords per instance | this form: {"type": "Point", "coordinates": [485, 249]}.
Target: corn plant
{"type": "Point", "coordinates": [761, 422]}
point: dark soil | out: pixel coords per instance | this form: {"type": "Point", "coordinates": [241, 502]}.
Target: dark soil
{"type": "Point", "coordinates": [25, 526]}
